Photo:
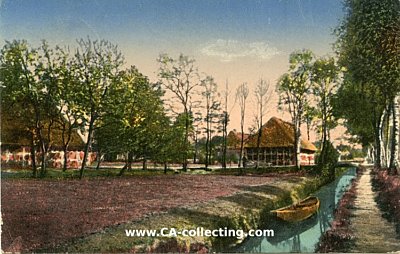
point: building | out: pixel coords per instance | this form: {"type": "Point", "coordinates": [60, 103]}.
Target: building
{"type": "Point", "coordinates": [16, 146]}
{"type": "Point", "coordinates": [277, 145]}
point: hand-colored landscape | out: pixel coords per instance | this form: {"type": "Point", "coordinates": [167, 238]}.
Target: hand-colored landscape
{"type": "Point", "coordinates": [243, 116]}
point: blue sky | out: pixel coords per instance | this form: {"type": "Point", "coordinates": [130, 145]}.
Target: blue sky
{"type": "Point", "coordinates": [235, 40]}
{"type": "Point", "coordinates": [171, 21]}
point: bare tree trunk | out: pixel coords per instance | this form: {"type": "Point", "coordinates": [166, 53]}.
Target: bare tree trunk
{"type": "Point", "coordinates": [65, 146]}
{"type": "Point", "coordinates": [130, 160]}
{"type": "Point", "coordinates": [377, 147]}
{"type": "Point", "coordinates": [258, 146]}
{"type": "Point", "coordinates": [87, 145]}
{"type": "Point", "coordinates": [225, 136]}
{"type": "Point", "coordinates": [33, 156]}
{"type": "Point", "coordinates": [394, 139]}
{"type": "Point", "coordinates": [207, 141]}
{"type": "Point", "coordinates": [99, 159]}
{"type": "Point", "coordinates": [298, 148]}
{"type": "Point", "coordinates": [144, 164]}
{"type": "Point", "coordinates": [195, 148]}
{"type": "Point", "coordinates": [241, 148]}
{"type": "Point", "coordinates": [165, 167]}
{"type": "Point", "coordinates": [382, 139]}
{"type": "Point", "coordinates": [186, 142]}
{"type": "Point", "coordinates": [65, 149]}
{"type": "Point", "coordinates": [122, 171]}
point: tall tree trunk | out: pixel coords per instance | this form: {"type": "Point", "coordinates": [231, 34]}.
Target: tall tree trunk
{"type": "Point", "coordinates": [241, 149]}
{"type": "Point", "coordinates": [383, 139]}
{"type": "Point", "coordinates": [377, 146]}
{"type": "Point", "coordinates": [297, 142]}
{"type": "Point", "coordinates": [258, 146]}
{"type": "Point", "coordinates": [66, 145]}
{"type": "Point", "coordinates": [186, 141]}
{"type": "Point", "coordinates": [394, 139]}
{"type": "Point", "coordinates": [130, 160]}
{"type": "Point", "coordinates": [99, 159]}
{"type": "Point", "coordinates": [65, 164]}
{"type": "Point", "coordinates": [144, 163]}
{"type": "Point", "coordinates": [165, 167]}
{"type": "Point", "coordinates": [225, 136]}
{"type": "Point", "coordinates": [87, 145]}
{"type": "Point", "coordinates": [195, 148]}
{"type": "Point", "coordinates": [207, 142]}
{"type": "Point", "coordinates": [42, 146]}
{"type": "Point", "coordinates": [43, 159]}
{"type": "Point", "coordinates": [122, 171]}
{"type": "Point", "coordinates": [33, 156]}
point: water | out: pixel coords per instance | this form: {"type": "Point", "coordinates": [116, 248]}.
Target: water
{"type": "Point", "coordinates": [305, 235]}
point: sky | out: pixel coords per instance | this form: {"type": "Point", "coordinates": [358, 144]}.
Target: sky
{"type": "Point", "coordinates": [234, 41]}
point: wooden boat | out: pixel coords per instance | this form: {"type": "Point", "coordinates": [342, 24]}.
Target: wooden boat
{"type": "Point", "coordinates": [299, 211]}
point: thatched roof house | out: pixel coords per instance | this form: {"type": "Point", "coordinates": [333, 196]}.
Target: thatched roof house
{"type": "Point", "coordinates": [278, 133]}
{"type": "Point", "coordinates": [276, 145]}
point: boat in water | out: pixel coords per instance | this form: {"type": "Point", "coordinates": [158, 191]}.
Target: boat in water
{"type": "Point", "coordinates": [299, 211]}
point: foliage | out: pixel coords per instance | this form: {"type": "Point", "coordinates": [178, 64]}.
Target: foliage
{"type": "Point", "coordinates": [134, 118]}
{"type": "Point", "coordinates": [368, 46]}
{"type": "Point", "coordinates": [327, 160]}
{"type": "Point", "coordinates": [95, 68]}
{"type": "Point", "coordinates": [29, 92]}
{"type": "Point", "coordinates": [181, 79]}
{"type": "Point", "coordinates": [212, 114]}
{"type": "Point", "coordinates": [325, 75]}
{"type": "Point", "coordinates": [294, 88]}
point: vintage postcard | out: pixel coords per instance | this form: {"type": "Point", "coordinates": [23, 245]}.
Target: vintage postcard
{"type": "Point", "coordinates": [155, 126]}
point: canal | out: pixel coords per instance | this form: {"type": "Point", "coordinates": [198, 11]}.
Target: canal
{"type": "Point", "coordinates": [302, 236]}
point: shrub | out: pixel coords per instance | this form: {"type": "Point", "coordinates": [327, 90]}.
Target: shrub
{"type": "Point", "coordinates": [328, 160]}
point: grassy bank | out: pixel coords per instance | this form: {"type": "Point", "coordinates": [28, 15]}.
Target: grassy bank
{"type": "Point", "coordinates": [339, 238]}
{"type": "Point", "coordinates": [247, 209]}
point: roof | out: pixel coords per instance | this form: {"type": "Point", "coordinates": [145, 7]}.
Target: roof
{"type": "Point", "coordinates": [234, 138]}
{"type": "Point", "coordinates": [14, 134]}
{"type": "Point", "coordinates": [278, 133]}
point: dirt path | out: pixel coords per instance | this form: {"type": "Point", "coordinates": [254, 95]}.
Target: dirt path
{"type": "Point", "coordinates": [373, 232]}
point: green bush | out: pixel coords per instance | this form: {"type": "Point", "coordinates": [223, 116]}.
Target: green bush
{"type": "Point", "coordinates": [328, 160]}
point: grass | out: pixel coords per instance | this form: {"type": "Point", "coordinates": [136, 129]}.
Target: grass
{"type": "Point", "coordinates": [245, 210]}
{"type": "Point", "coordinates": [340, 238]}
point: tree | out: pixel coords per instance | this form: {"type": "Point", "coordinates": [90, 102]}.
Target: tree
{"type": "Point", "coordinates": [225, 121]}
{"type": "Point", "coordinates": [310, 114]}
{"type": "Point", "coordinates": [368, 46]}
{"type": "Point", "coordinates": [242, 92]}
{"type": "Point", "coordinates": [212, 108]}
{"type": "Point", "coordinates": [66, 114]}
{"type": "Point", "coordinates": [325, 74]}
{"type": "Point", "coordinates": [263, 94]}
{"type": "Point", "coordinates": [294, 89]}
{"type": "Point", "coordinates": [180, 78]}
{"type": "Point", "coordinates": [133, 120]}
{"type": "Point", "coordinates": [28, 85]}
{"type": "Point", "coordinates": [96, 66]}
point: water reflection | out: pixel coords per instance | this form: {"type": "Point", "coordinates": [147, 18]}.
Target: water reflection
{"type": "Point", "coordinates": [302, 236]}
